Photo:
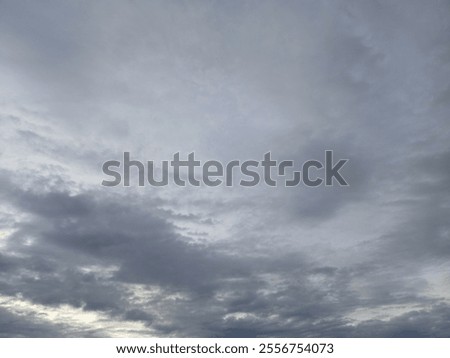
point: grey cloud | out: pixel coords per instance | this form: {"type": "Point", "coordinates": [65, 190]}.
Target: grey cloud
{"type": "Point", "coordinates": [12, 325]}
{"type": "Point", "coordinates": [228, 80]}
{"type": "Point", "coordinates": [199, 274]}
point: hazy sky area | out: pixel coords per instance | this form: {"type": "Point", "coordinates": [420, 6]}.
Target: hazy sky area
{"type": "Point", "coordinates": [83, 81]}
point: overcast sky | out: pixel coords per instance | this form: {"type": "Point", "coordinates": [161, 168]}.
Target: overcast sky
{"type": "Point", "coordinates": [84, 81]}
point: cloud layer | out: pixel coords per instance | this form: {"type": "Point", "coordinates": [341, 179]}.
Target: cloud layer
{"type": "Point", "coordinates": [84, 82]}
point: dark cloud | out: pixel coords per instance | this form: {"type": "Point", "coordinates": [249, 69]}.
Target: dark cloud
{"type": "Point", "coordinates": [12, 325]}
{"type": "Point", "coordinates": [218, 294]}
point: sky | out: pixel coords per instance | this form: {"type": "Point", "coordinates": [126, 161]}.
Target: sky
{"type": "Point", "coordinates": [83, 81]}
